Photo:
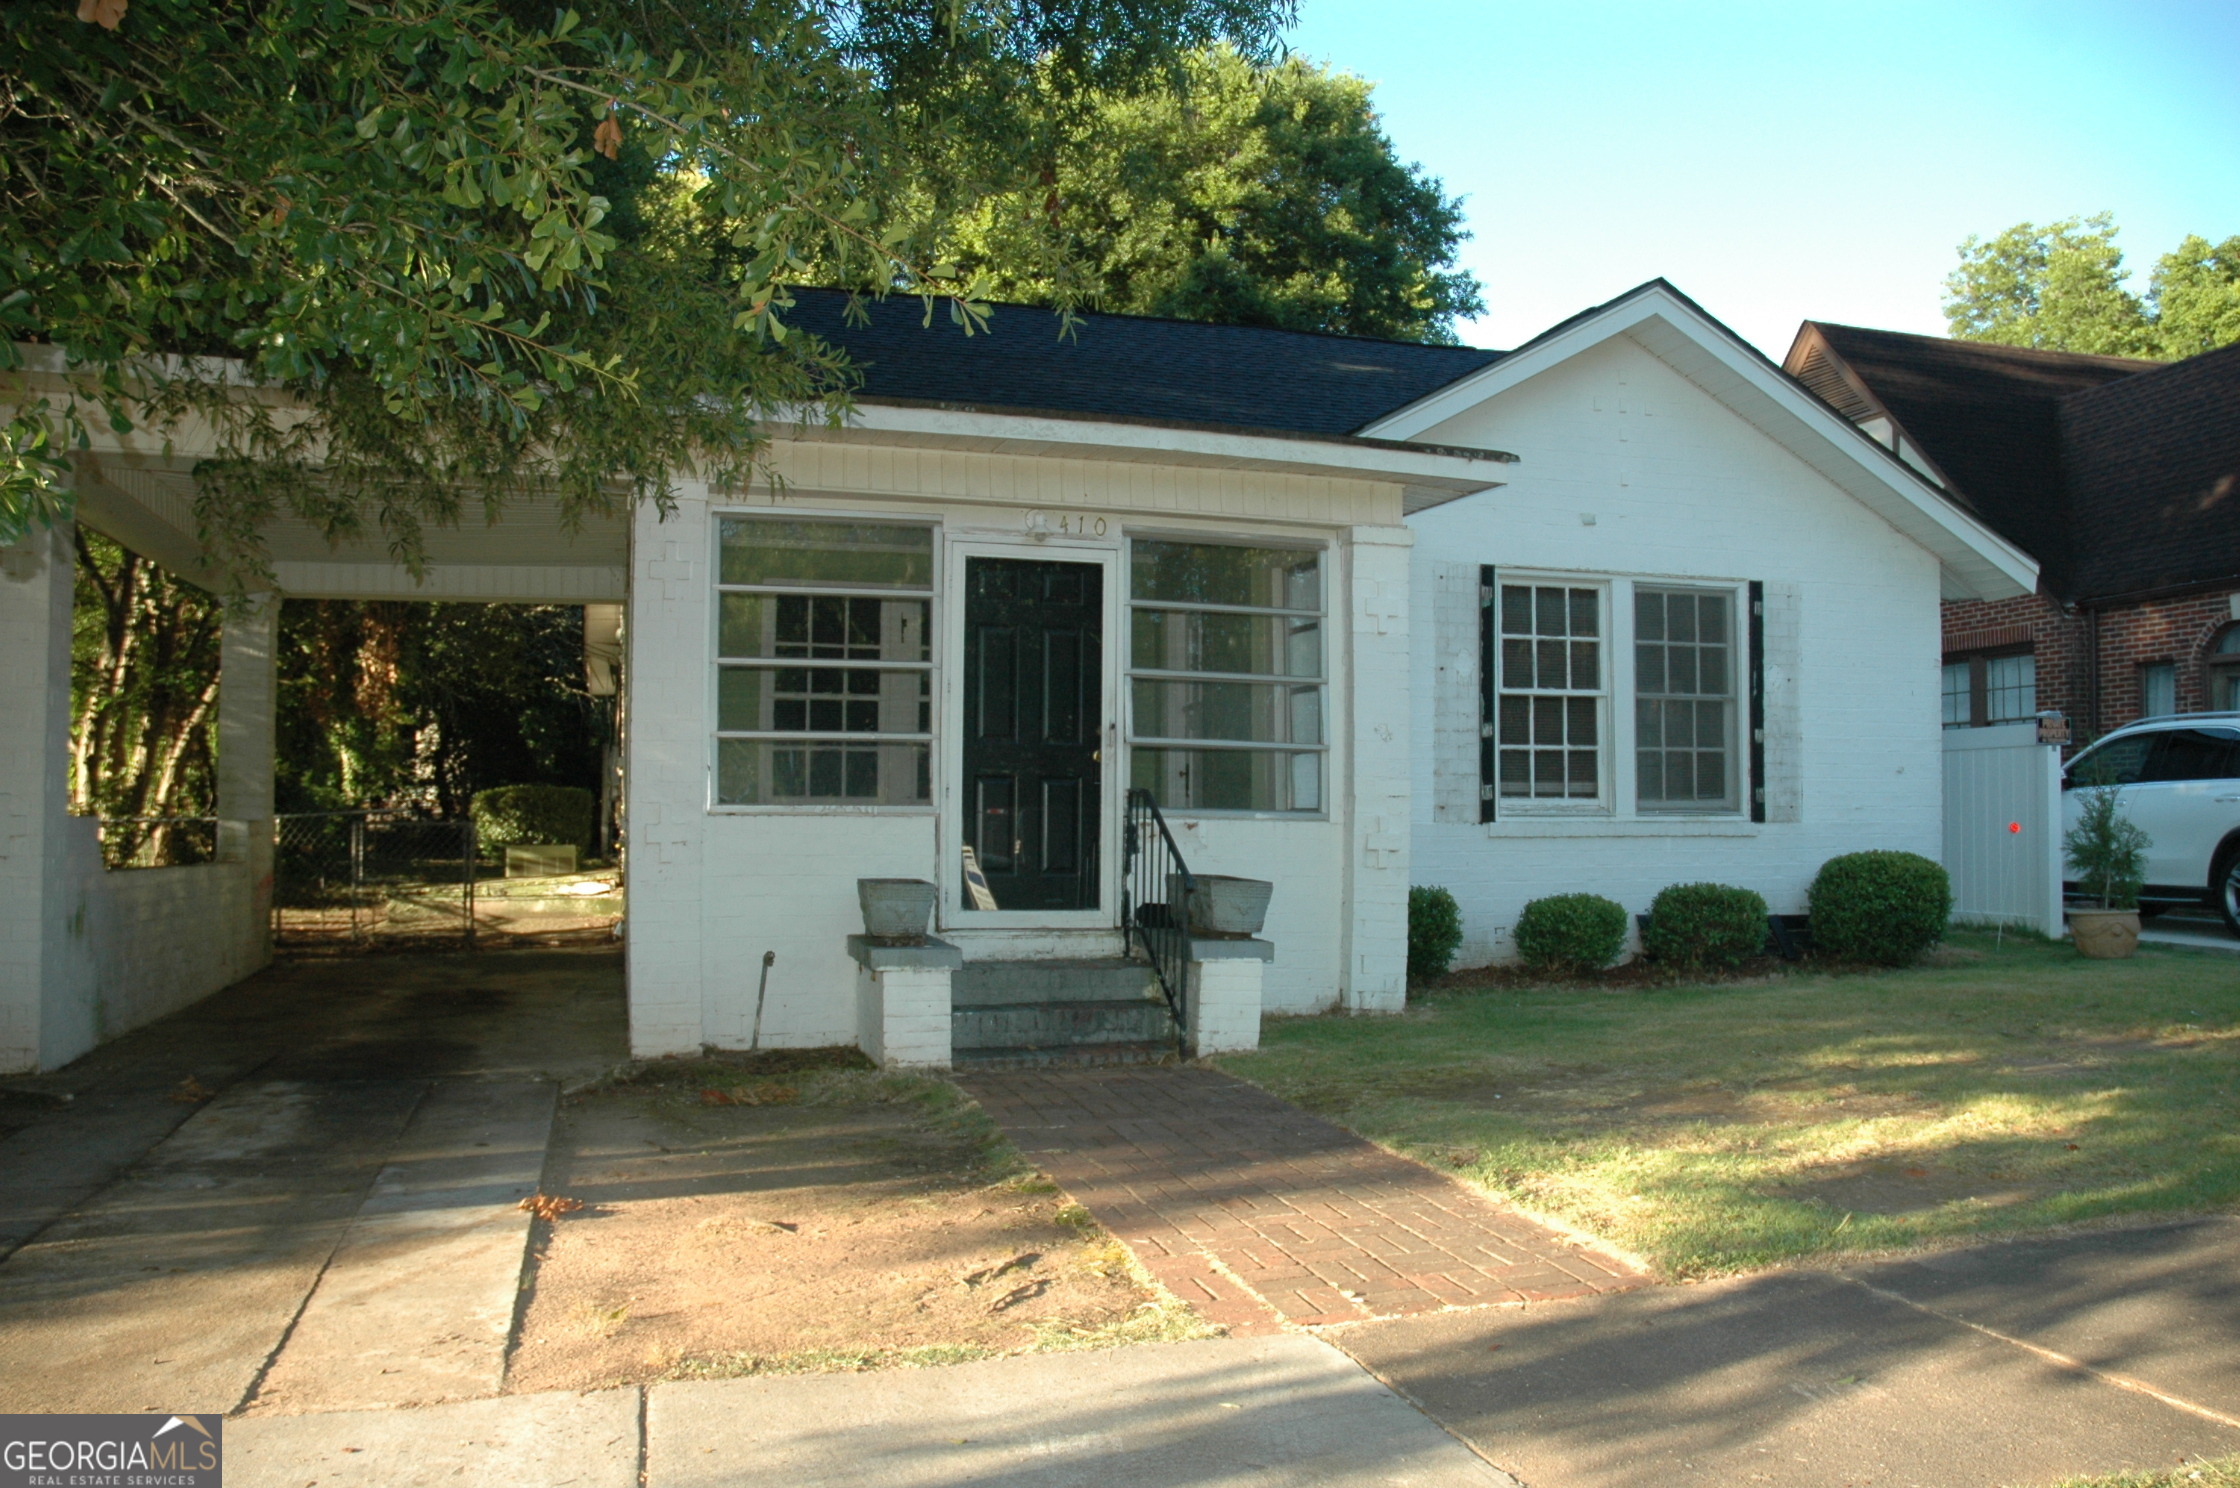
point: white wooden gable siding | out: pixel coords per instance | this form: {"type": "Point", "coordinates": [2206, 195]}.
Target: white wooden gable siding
{"type": "Point", "coordinates": [1627, 468]}
{"type": "Point", "coordinates": [712, 889]}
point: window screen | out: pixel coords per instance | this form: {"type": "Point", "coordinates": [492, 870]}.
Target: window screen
{"type": "Point", "coordinates": [1684, 712]}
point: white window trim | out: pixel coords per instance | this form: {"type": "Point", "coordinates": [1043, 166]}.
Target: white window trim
{"type": "Point", "coordinates": [952, 913]}
{"type": "Point", "coordinates": [1619, 813]}
{"type": "Point", "coordinates": [1126, 670]}
{"type": "Point", "coordinates": [716, 589]}
{"type": "Point", "coordinates": [1527, 808]}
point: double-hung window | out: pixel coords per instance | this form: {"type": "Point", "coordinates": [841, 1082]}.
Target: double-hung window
{"type": "Point", "coordinates": [1559, 735]}
{"type": "Point", "coordinates": [1987, 688]}
{"type": "Point", "coordinates": [1548, 722]}
{"type": "Point", "coordinates": [1226, 676]}
{"type": "Point", "coordinates": [824, 663]}
{"type": "Point", "coordinates": [1684, 655]}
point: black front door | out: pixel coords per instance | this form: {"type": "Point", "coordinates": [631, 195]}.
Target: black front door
{"type": "Point", "coordinates": [1033, 729]}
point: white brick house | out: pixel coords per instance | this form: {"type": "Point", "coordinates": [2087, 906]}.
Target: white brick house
{"type": "Point", "coordinates": [1670, 479]}
{"type": "Point", "coordinates": [1238, 569]}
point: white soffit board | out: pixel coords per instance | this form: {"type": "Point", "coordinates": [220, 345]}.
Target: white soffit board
{"type": "Point", "coordinates": [1977, 562]}
{"type": "Point", "coordinates": [1432, 468]}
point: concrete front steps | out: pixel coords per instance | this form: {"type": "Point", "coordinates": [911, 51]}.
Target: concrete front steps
{"type": "Point", "coordinates": [1011, 1014]}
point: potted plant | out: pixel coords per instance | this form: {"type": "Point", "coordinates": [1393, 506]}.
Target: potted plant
{"type": "Point", "coordinates": [2107, 852]}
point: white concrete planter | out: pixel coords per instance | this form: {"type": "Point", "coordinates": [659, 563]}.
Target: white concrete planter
{"type": "Point", "coordinates": [896, 909]}
{"type": "Point", "coordinates": [1224, 905]}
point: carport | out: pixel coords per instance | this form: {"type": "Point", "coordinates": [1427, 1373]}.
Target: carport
{"type": "Point", "coordinates": [86, 955]}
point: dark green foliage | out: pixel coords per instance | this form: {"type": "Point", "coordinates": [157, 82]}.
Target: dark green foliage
{"type": "Point", "coordinates": [423, 705]}
{"type": "Point", "coordinates": [1434, 930]}
{"type": "Point", "coordinates": [520, 814]}
{"type": "Point", "coordinates": [2107, 850]}
{"type": "Point", "coordinates": [1693, 926]}
{"type": "Point", "coordinates": [499, 249]}
{"type": "Point", "coordinates": [1571, 932]}
{"type": "Point", "coordinates": [1234, 192]}
{"type": "Point", "coordinates": [1885, 907]}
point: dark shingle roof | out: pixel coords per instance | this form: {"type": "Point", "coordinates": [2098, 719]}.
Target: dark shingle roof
{"type": "Point", "coordinates": [1134, 367]}
{"type": "Point", "coordinates": [2153, 465]}
{"type": "Point", "coordinates": [1989, 416]}
{"type": "Point", "coordinates": [2121, 477]}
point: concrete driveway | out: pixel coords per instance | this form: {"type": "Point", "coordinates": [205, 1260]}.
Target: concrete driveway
{"type": "Point", "coordinates": [298, 1194]}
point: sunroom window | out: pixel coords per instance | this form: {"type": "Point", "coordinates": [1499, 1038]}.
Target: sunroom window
{"type": "Point", "coordinates": [824, 663]}
{"type": "Point", "coordinates": [1226, 676]}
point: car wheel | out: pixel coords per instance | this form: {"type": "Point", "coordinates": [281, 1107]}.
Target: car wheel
{"type": "Point", "coordinates": [2227, 882]}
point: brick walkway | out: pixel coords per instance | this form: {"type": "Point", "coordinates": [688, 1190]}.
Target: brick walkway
{"type": "Point", "coordinates": [1258, 1213]}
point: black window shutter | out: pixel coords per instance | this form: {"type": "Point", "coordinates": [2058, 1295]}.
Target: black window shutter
{"type": "Point", "coordinates": [1488, 768]}
{"type": "Point", "coordinates": [1757, 701]}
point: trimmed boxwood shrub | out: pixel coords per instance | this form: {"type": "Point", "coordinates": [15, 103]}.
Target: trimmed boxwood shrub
{"type": "Point", "coordinates": [517, 815]}
{"type": "Point", "coordinates": [1571, 932]}
{"type": "Point", "coordinates": [1886, 907]}
{"type": "Point", "coordinates": [1434, 930]}
{"type": "Point", "coordinates": [1705, 924]}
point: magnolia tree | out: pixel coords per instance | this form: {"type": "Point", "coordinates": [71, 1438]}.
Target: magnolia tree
{"type": "Point", "coordinates": [492, 249]}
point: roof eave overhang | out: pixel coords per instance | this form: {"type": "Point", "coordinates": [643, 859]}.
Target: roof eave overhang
{"type": "Point", "coordinates": [1430, 475]}
{"type": "Point", "coordinates": [1977, 562]}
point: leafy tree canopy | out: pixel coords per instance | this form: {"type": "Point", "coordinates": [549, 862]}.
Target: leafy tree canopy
{"type": "Point", "coordinates": [2061, 287]}
{"type": "Point", "coordinates": [1237, 192]}
{"type": "Point", "coordinates": [496, 248]}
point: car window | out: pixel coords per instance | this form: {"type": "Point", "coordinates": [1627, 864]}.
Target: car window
{"type": "Point", "coordinates": [2117, 762]}
{"type": "Point", "coordinates": [2195, 754]}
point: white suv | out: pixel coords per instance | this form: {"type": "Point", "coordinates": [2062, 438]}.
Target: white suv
{"type": "Point", "coordinates": [2180, 779]}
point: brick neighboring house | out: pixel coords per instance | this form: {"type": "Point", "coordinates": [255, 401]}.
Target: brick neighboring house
{"type": "Point", "coordinates": [2121, 477]}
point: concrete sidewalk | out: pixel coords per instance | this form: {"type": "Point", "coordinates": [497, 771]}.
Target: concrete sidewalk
{"type": "Point", "coordinates": [1281, 1412]}
{"type": "Point", "coordinates": [2003, 1364]}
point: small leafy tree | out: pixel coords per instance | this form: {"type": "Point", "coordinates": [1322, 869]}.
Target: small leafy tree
{"type": "Point", "coordinates": [2107, 851]}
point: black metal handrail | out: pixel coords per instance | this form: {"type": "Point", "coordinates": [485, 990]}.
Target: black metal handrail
{"type": "Point", "coordinates": [1152, 876]}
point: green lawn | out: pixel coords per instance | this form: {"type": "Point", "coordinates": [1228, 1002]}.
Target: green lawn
{"type": "Point", "coordinates": [2222, 1473]}
{"type": "Point", "coordinates": [1711, 1129]}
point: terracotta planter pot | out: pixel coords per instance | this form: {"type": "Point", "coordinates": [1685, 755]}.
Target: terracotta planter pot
{"type": "Point", "coordinates": [2105, 934]}
{"type": "Point", "coordinates": [896, 910]}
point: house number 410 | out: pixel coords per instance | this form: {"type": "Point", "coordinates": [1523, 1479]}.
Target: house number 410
{"type": "Point", "coordinates": [1069, 523]}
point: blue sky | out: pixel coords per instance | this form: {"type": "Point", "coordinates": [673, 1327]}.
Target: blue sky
{"type": "Point", "coordinates": [1780, 162]}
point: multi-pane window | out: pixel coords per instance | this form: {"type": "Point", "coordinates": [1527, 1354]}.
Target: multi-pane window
{"type": "Point", "coordinates": [2010, 688]}
{"type": "Point", "coordinates": [1225, 676]}
{"type": "Point", "coordinates": [1684, 705]}
{"type": "Point", "coordinates": [1959, 706]}
{"type": "Point", "coordinates": [1985, 689]}
{"type": "Point", "coordinates": [823, 663]}
{"type": "Point", "coordinates": [1549, 694]}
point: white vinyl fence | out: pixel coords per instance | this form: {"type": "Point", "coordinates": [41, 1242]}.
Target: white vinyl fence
{"type": "Point", "coordinates": [2002, 826]}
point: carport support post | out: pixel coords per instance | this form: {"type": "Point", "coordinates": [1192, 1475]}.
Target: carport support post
{"type": "Point", "coordinates": [47, 856]}
{"type": "Point", "coordinates": [247, 684]}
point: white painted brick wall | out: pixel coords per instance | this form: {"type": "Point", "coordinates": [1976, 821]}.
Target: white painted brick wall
{"type": "Point", "coordinates": [710, 892]}
{"type": "Point", "coordinates": [904, 1016]}
{"type": "Point", "coordinates": [1376, 898]}
{"type": "Point", "coordinates": [1224, 1005]}
{"type": "Point", "coordinates": [1679, 487]}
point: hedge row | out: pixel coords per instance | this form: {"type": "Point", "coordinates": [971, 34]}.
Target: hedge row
{"type": "Point", "coordinates": [1879, 907]}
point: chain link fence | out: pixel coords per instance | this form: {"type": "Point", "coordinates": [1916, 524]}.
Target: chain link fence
{"type": "Point", "coordinates": [373, 879]}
